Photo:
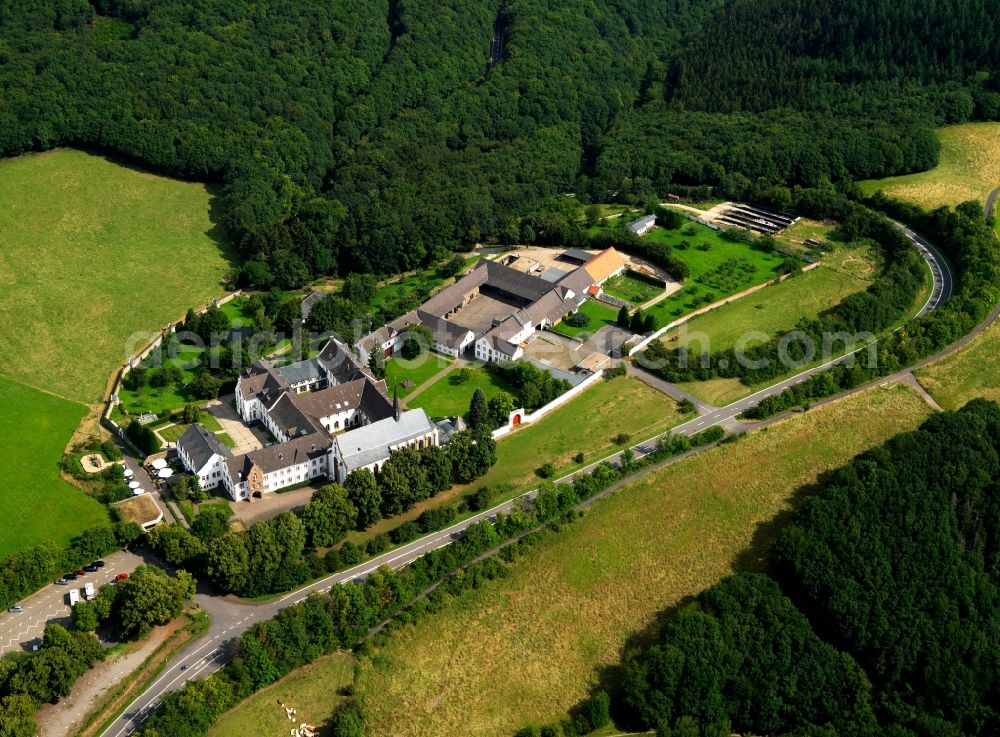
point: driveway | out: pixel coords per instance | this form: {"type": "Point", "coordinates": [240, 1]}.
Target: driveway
{"type": "Point", "coordinates": [51, 604]}
{"type": "Point", "coordinates": [244, 437]}
{"type": "Point", "coordinates": [271, 505]}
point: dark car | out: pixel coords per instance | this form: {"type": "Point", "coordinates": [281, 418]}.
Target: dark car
{"type": "Point", "coordinates": [91, 568]}
{"type": "Point", "coordinates": [98, 563]}
{"type": "Point", "coordinates": [70, 576]}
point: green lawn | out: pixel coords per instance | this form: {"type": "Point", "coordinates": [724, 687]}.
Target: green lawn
{"type": "Point", "coordinates": [172, 433]}
{"type": "Point", "coordinates": [92, 255]}
{"type": "Point", "coordinates": [631, 289]}
{"type": "Point", "coordinates": [587, 424]}
{"type": "Point", "coordinates": [600, 314]}
{"type": "Point", "coordinates": [312, 691]}
{"type": "Point", "coordinates": [772, 310]}
{"type": "Point", "coordinates": [94, 258]}
{"type": "Point", "coordinates": [237, 309]}
{"type": "Point", "coordinates": [703, 264]}
{"type": "Point", "coordinates": [36, 505]}
{"type": "Point", "coordinates": [445, 398]}
{"type": "Point", "coordinates": [417, 371]}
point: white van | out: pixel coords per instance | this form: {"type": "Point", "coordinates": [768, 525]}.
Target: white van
{"type": "Point", "coordinates": [74, 597]}
{"type": "Point", "coordinates": [88, 591]}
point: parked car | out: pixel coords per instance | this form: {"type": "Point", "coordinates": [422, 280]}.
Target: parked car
{"type": "Point", "coordinates": [70, 576]}
{"type": "Point", "coordinates": [121, 577]}
{"type": "Point", "coordinates": [81, 572]}
{"type": "Point", "coordinates": [98, 563]}
{"type": "Point", "coordinates": [62, 581]}
{"type": "Point", "coordinates": [16, 608]}
{"type": "Point", "coordinates": [91, 568]}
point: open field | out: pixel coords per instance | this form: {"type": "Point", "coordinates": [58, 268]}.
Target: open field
{"type": "Point", "coordinates": [527, 647]}
{"type": "Point", "coordinates": [93, 252]}
{"type": "Point", "coordinates": [36, 505]}
{"type": "Point", "coordinates": [446, 398]}
{"type": "Point", "coordinates": [585, 425]}
{"type": "Point", "coordinates": [416, 371]}
{"type": "Point", "coordinates": [311, 690]}
{"type": "Point", "coordinates": [600, 314]}
{"type": "Point", "coordinates": [971, 372]}
{"type": "Point", "coordinates": [969, 169]}
{"type": "Point", "coordinates": [771, 311]}
{"type": "Point", "coordinates": [703, 265]}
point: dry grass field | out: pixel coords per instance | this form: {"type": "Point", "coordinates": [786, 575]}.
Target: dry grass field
{"type": "Point", "coordinates": [311, 690]}
{"type": "Point", "coordinates": [526, 648]}
{"type": "Point", "coordinates": [969, 169]}
{"type": "Point", "coordinates": [973, 371]}
{"type": "Point", "coordinates": [90, 253]}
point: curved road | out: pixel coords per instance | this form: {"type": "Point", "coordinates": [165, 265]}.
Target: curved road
{"type": "Point", "coordinates": [991, 199]}
{"type": "Point", "coordinates": [232, 617]}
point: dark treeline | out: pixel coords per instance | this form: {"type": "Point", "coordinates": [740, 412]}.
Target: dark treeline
{"type": "Point", "coordinates": [886, 620]}
{"type": "Point", "coordinates": [376, 136]}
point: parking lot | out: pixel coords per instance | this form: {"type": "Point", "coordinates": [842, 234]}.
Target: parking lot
{"type": "Point", "coordinates": [19, 630]}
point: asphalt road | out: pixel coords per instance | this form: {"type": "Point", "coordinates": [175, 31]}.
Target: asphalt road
{"type": "Point", "coordinates": [232, 617]}
{"type": "Point", "coordinates": [991, 199]}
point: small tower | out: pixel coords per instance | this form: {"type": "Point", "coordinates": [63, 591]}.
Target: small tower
{"type": "Point", "coordinates": [395, 401]}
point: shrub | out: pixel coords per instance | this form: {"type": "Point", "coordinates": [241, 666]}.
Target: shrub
{"type": "Point", "coordinates": [546, 471]}
{"type": "Point", "coordinates": [621, 438]}
{"type": "Point", "coordinates": [578, 320]}
{"type": "Point", "coordinates": [378, 544]}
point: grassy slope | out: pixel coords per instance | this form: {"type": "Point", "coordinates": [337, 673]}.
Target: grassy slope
{"type": "Point", "coordinates": [772, 310]}
{"type": "Point", "coordinates": [585, 425]}
{"type": "Point", "coordinates": [90, 253]}
{"type": "Point", "coordinates": [969, 169]}
{"type": "Point", "coordinates": [528, 647]}
{"type": "Point", "coordinates": [702, 262]}
{"type": "Point", "coordinates": [969, 373]}
{"type": "Point", "coordinates": [36, 505]}
{"type": "Point", "coordinates": [312, 691]}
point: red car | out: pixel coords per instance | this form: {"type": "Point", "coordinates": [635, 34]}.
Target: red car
{"type": "Point", "coordinates": [121, 577]}
{"type": "Point", "coordinates": [81, 572]}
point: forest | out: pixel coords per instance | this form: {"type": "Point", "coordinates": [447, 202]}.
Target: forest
{"type": "Point", "coordinates": [375, 136]}
{"type": "Point", "coordinates": [877, 616]}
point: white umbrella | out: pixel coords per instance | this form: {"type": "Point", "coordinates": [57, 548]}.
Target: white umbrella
{"type": "Point", "coordinates": [134, 485]}
{"type": "Point", "coordinates": [159, 464]}
{"type": "Point", "coordinates": [138, 492]}
{"type": "Point", "coordinates": [128, 473]}
{"type": "Point", "coordinates": [165, 473]}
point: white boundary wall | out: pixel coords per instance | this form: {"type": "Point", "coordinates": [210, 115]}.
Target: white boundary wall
{"type": "Point", "coordinates": [528, 418]}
